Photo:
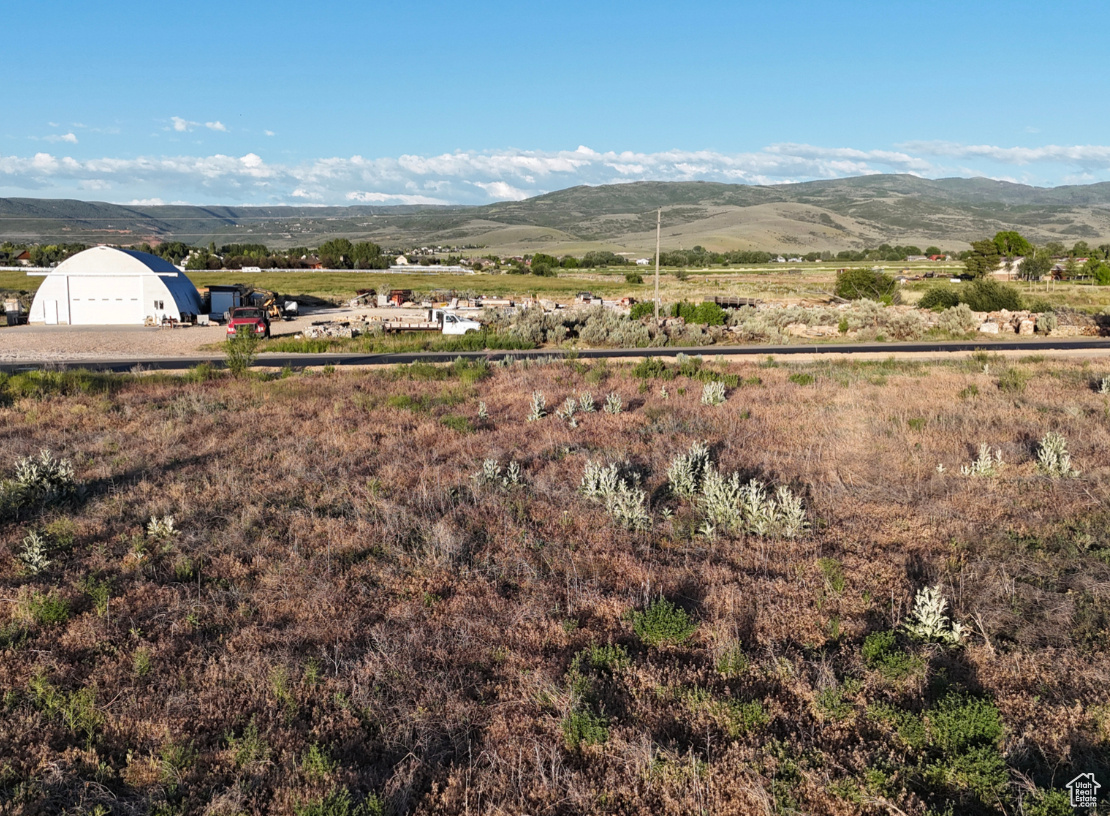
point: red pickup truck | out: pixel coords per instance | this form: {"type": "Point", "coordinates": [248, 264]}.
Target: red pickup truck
{"type": "Point", "coordinates": [248, 319]}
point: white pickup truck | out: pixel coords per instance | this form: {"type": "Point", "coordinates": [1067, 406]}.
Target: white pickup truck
{"type": "Point", "coordinates": [454, 323]}
{"type": "Point", "coordinates": [439, 320]}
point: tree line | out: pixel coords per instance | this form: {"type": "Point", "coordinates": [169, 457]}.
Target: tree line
{"type": "Point", "coordinates": [1081, 261]}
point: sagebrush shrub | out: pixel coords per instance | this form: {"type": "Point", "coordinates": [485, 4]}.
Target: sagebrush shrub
{"type": "Point", "coordinates": [492, 475]}
{"type": "Point", "coordinates": [161, 529]}
{"type": "Point", "coordinates": [1053, 458]}
{"type": "Point", "coordinates": [45, 479]}
{"type": "Point", "coordinates": [987, 464]}
{"type": "Point", "coordinates": [613, 403]}
{"type": "Point", "coordinates": [567, 412]}
{"type": "Point", "coordinates": [928, 622]}
{"type": "Point", "coordinates": [622, 498]}
{"type": "Point", "coordinates": [748, 507]}
{"type": "Point", "coordinates": [33, 554]}
{"type": "Point", "coordinates": [687, 469]}
{"type": "Point", "coordinates": [713, 393]}
{"type": "Point", "coordinates": [538, 408]}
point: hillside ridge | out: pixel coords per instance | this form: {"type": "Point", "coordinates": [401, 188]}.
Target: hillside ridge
{"type": "Point", "coordinates": [832, 214]}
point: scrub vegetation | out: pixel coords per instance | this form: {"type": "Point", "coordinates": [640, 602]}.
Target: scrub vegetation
{"type": "Point", "coordinates": [389, 592]}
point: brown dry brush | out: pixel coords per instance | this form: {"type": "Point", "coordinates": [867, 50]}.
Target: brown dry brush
{"type": "Point", "coordinates": [346, 614]}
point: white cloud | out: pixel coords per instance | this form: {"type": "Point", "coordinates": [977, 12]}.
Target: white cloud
{"type": "Point", "coordinates": [1084, 156]}
{"type": "Point", "coordinates": [182, 125]}
{"type": "Point", "coordinates": [268, 132]}
{"type": "Point", "coordinates": [220, 126]}
{"type": "Point", "coordinates": [475, 177]}
{"type": "Point", "coordinates": [146, 202]}
{"type": "Point", "coordinates": [363, 197]}
{"type": "Point", "coordinates": [501, 190]}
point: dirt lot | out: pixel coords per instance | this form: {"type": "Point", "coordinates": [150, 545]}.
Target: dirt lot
{"type": "Point", "coordinates": [141, 342]}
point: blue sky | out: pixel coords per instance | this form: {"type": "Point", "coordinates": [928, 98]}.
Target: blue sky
{"type": "Point", "coordinates": [339, 103]}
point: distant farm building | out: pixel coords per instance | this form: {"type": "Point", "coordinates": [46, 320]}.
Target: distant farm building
{"type": "Point", "coordinates": [109, 286]}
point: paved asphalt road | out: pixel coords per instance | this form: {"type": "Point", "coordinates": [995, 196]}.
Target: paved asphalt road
{"type": "Point", "coordinates": [305, 360]}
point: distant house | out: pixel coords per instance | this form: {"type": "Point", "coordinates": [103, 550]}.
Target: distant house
{"type": "Point", "coordinates": [938, 257]}
{"type": "Point", "coordinates": [917, 258]}
{"type": "Point", "coordinates": [642, 262]}
{"type": "Point", "coordinates": [23, 258]}
{"type": "Point", "coordinates": [401, 261]}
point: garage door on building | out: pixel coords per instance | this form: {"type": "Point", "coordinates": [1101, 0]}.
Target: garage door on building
{"type": "Point", "coordinates": [94, 299]}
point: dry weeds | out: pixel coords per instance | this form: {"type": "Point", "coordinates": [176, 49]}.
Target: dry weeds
{"type": "Point", "coordinates": [345, 608]}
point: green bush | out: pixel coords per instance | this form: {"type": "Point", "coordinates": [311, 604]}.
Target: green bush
{"type": "Point", "coordinates": [858, 284]}
{"type": "Point", "coordinates": [48, 609]}
{"type": "Point", "coordinates": [881, 654]}
{"type": "Point", "coordinates": [596, 659]}
{"type": "Point", "coordinates": [339, 803]}
{"type": "Point", "coordinates": [1047, 803]}
{"type": "Point", "coordinates": [457, 423]}
{"type": "Point", "coordinates": [240, 352]}
{"type": "Point", "coordinates": [633, 277]}
{"type": "Point", "coordinates": [1039, 305]}
{"type": "Point", "coordinates": [939, 298]}
{"type": "Point", "coordinates": [663, 622]}
{"type": "Point", "coordinates": [988, 295]}
{"type": "Point", "coordinates": [959, 723]}
{"type": "Point", "coordinates": [584, 728]}
{"type": "Point", "coordinates": [642, 310]}
{"type": "Point", "coordinates": [650, 368]}
{"type": "Point", "coordinates": [706, 313]}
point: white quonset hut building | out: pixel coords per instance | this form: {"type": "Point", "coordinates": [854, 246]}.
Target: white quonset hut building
{"type": "Point", "coordinates": [106, 286]}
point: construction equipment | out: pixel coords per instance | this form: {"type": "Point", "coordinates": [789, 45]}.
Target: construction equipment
{"type": "Point", "coordinates": [275, 308]}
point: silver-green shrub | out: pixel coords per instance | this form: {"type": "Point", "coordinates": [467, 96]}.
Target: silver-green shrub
{"type": "Point", "coordinates": [613, 403]}
{"type": "Point", "coordinates": [928, 622]}
{"type": "Point", "coordinates": [33, 554]}
{"type": "Point", "coordinates": [749, 507]}
{"type": "Point", "coordinates": [161, 529]}
{"type": "Point", "coordinates": [957, 320]}
{"type": "Point", "coordinates": [492, 475]}
{"type": "Point", "coordinates": [986, 465]}
{"type": "Point", "coordinates": [1053, 458]}
{"type": "Point", "coordinates": [538, 408]}
{"type": "Point", "coordinates": [568, 411]}
{"type": "Point", "coordinates": [622, 498]}
{"type": "Point", "coordinates": [713, 393]}
{"type": "Point", "coordinates": [586, 403]}
{"type": "Point", "coordinates": [45, 479]}
{"type": "Point", "coordinates": [686, 470]}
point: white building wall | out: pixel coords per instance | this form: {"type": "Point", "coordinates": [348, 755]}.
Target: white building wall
{"type": "Point", "coordinates": [54, 290]}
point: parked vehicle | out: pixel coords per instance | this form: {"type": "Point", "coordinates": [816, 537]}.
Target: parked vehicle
{"type": "Point", "coordinates": [439, 320]}
{"type": "Point", "coordinates": [248, 319]}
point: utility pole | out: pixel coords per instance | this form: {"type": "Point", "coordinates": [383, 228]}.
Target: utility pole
{"type": "Point", "coordinates": [658, 228]}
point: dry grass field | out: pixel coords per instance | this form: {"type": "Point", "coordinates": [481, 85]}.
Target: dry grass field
{"type": "Point", "coordinates": [344, 616]}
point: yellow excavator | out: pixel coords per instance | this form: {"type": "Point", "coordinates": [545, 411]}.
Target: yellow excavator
{"type": "Point", "coordinates": [273, 305]}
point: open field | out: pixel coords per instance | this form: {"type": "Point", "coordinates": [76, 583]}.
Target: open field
{"type": "Point", "coordinates": [344, 611]}
{"type": "Point", "coordinates": [788, 283]}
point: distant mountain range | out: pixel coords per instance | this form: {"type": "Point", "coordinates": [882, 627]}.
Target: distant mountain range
{"type": "Point", "coordinates": [839, 214]}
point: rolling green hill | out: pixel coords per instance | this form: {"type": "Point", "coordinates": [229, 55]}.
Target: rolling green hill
{"type": "Point", "coordinates": [818, 215]}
